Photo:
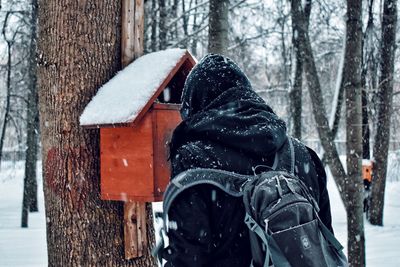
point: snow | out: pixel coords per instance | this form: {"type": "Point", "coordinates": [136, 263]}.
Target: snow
{"type": "Point", "coordinates": [27, 247]}
{"type": "Point", "coordinates": [366, 162]}
{"type": "Point", "coordinates": [123, 97]}
{"type": "Point", "coordinates": [20, 247]}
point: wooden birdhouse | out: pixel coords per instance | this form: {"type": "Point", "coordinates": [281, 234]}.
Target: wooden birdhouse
{"type": "Point", "coordinates": [367, 166]}
{"type": "Point", "coordinates": [136, 112]}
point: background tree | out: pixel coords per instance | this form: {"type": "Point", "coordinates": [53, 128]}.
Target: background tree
{"type": "Point", "coordinates": [17, 141]}
{"type": "Point", "coordinates": [218, 27]}
{"type": "Point", "coordinates": [349, 184]}
{"type": "Point", "coordinates": [385, 98]}
{"type": "Point", "coordinates": [296, 91]}
{"type": "Point", "coordinates": [29, 200]}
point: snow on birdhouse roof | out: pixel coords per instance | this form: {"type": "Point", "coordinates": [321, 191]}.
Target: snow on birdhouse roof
{"type": "Point", "coordinates": [123, 97]}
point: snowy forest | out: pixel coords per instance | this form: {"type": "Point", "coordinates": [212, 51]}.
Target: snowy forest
{"type": "Point", "coordinates": [329, 69]}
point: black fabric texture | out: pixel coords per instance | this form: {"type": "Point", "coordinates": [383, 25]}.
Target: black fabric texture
{"type": "Point", "coordinates": [227, 126]}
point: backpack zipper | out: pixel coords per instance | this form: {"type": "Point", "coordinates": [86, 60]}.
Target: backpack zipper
{"type": "Point", "coordinates": [274, 214]}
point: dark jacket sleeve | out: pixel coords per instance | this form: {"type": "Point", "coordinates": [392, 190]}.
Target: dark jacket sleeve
{"type": "Point", "coordinates": [324, 204]}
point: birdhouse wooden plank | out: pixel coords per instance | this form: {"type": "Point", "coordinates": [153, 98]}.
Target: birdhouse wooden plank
{"type": "Point", "coordinates": [134, 139]}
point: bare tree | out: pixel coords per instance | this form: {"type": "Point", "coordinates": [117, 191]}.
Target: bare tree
{"type": "Point", "coordinates": [349, 184]}
{"type": "Point", "coordinates": [385, 98]}
{"type": "Point", "coordinates": [10, 42]}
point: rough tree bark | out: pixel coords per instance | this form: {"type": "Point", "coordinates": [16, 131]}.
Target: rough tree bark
{"type": "Point", "coordinates": [79, 50]}
{"type": "Point", "coordinates": [349, 185]}
{"type": "Point", "coordinates": [385, 97]}
{"type": "Point", "coordinates": [29, 200]}
{"type": "Point", "coordinates": [296, 92]}
{"type": "Point", "coordinates": [353, 88]}
{"type": "Point", "coordinates": [218, 26]}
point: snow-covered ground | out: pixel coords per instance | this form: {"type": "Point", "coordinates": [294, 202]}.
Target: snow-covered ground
{"type": "Point", "coordinates": [27, 247]}
{"type": "Point", "coordinates": [20, 247]}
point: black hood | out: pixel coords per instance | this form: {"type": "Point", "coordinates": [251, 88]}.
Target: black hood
{"type": "Point", "coordinates": [212, 76]}
{"type": "Point", "coordinates": [219, 106]}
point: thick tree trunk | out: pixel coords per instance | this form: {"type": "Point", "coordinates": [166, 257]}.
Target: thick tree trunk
{"type": "Point", "coordinates": [385, 97]}
{"type": "Point", "coordinates": [218, 27]}
{"type": "Point", "coordinates": [75, 60]}
{"type": "Point", "coordinates": [352, 87]}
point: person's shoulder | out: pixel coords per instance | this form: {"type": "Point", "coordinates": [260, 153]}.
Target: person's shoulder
{"type": "Point", "coordinates": [190, 149]}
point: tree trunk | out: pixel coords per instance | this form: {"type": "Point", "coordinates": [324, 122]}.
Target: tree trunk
{"type": "Point", "coordinates": [74, 61]}
{"type": "Point", "coordinates": [218, 27]}
{"type": "Point", "coordinates": [153, 37]}
{"type": "Point", "coordinates": [385, 97]}
{"type": "Point", "coordinates": [350, 187]}
{"type": "Point", "coordinates": [296, 93]}
{"type": "Point", "coordinates": [33, 114]}
{"type": "Point", "coordinates": [7, 106]}
{"type": "Point", "coordinates": [29, 201]}
{"type": "Point", "coordinates": [352, 87]}
{"type": "Point", "coordinates": [311, 74]}
{"type": "Point", "coordinates": [368, 55]}
{"type": "Point", "coordinates": [194, 29]}
{"type": "Point", "coordinates": [365, 125]}
{"type": "Point", "coordinates": [185, 21]}
{"type": "Point", "coordinates": [162, 25]}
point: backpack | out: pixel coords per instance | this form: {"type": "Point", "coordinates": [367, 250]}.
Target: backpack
{"type": "Point", "coordinates": [281, 214]}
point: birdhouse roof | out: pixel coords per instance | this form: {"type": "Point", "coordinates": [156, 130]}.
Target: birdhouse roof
{"type": "Point", "coordinates": [131, 92]}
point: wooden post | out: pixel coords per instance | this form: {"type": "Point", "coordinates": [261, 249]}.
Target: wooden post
{"type": "Point", "coordinates": [131, 48]}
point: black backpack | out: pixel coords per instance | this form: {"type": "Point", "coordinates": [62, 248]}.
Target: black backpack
{"type": "Point", "coordinates": [282, 216]}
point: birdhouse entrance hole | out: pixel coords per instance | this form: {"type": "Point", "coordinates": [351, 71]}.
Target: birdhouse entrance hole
{"type": "Point", "coordinates": [173, 91]}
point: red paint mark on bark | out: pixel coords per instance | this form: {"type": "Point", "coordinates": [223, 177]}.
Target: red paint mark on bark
{"type": "Point", "coordinates": [65, 177]}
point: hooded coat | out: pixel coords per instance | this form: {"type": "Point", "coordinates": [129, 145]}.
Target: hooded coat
{"type": "Point", "coordinates": [227, 126]}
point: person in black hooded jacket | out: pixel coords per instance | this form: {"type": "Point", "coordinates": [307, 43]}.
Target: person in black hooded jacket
{"type": "Point", "coordinates": [227, 126]}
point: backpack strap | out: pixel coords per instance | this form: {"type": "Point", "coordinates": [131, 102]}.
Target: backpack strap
{"type": "Point", "coordinates": [285, 157]}
{"type": "Point", "coordinates": [229, 182]}
{"type": "Point", "coordinates": [269, 243]}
